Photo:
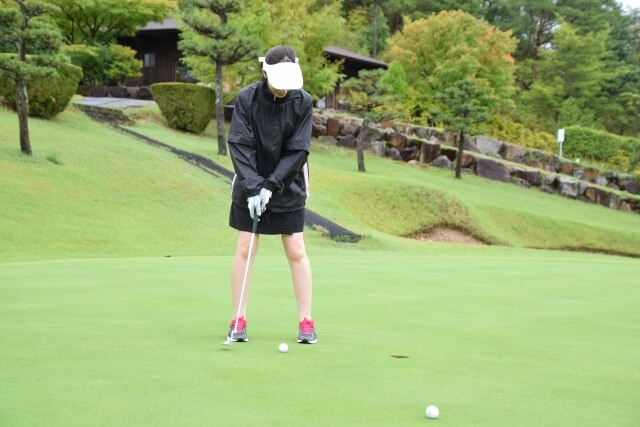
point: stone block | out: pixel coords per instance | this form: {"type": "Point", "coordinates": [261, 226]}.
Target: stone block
{"type": "Point", "coordinates": [566, 168]}
{"type": "Point", "coordinates": [144, 92]}
{"type": "Point", "coordinates": [590, 174]}
{"type": "Point", "coordinates": [100, 91]}
{"type": "Point", "coordinates": [568, 187]}
{"type": "Point", "coordinates": [394, 154]}
{"type": "Point", "coordinates": [348, 141]}
{"type": "Point", "coordinates": [409, 153]}
{"type": "Point", "coordinates": [429, 152]}
{"type": "Point", "coordinates": [350, 127]}
{"type": "Point", "coordinates": [118, 91]}
{"type": "Point", "coordinates": [630, 186]}
{"type": "Point", "coordinates": [333, 127]}
{"type": "Point", "coordinates": [513, 153]}
{"type": "Point", "coordinates": [398, 140]}
{"type": "Point", "coordinates": [442, 162]}
{"type": "Point", "coordinates": [369, 134]}
{"type": "Point", "coordinates": [492, 169]}
{"type": "Point", "coordinates": [378, 147]}
{"type": "Point", "coordinates": [451, 153]}
{"type": "Point", "coordinates": [468, 160]}
{"type": "Point", "coordinates": [488, 146]}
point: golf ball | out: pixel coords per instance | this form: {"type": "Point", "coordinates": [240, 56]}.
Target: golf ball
{"type": "Point", "coordinates": [432, 411]}
{"type": "Point", "coordinates": [283, 347]}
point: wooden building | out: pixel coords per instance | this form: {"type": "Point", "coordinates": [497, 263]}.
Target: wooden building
{"type": "Point", "coordinates": [157, 46]}
{"type": "Point", "coordinates": [352, 63]}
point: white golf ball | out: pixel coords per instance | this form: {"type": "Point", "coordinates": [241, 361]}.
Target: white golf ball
{"type": "Point", "coordinates": [432, 411]}
{"type": "Point", "coordinates": [283, 348]}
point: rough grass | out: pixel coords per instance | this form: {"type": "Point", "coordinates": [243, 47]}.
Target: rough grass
{"type": "Point", "coordinates": [90, 191]}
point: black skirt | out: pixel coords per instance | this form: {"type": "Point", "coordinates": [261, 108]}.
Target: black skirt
{"type": "Point", "coordinates": [270, 222]}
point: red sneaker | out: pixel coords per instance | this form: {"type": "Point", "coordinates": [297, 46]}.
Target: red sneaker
{"type": "Point", "coordinates": [307, 334]}
{"type": "Point", "coordinates": [239, 333]}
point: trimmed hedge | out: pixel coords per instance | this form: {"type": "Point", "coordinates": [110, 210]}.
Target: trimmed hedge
{"type": "Point", "coordinates": [515, 133]}
{"type": "Point", "coordinates": [185, 106]}
{"type": "Point", "coordinates": [48, 96]}
{"type": "Point", "coordinates": [601, 146]}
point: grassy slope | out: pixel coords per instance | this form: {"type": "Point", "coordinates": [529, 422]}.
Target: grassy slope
{"type": "Point", "coordinates": [114, 196]}
{"type": "Point", "coordinates": [398, 199]}
{"type": "Point", "coordinates": [110, 196]}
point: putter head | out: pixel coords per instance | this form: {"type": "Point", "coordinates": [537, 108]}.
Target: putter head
{"type": "Point", "coordinates": [227, 342]}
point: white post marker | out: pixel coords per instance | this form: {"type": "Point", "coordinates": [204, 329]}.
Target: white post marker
{"type": "Point", "coordinates": [560, 141]}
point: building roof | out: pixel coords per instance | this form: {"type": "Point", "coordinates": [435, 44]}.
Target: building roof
{"type": "Point", "coordinates": [335, 52]}
{"type": "Point", "coordinates": [167, 24]}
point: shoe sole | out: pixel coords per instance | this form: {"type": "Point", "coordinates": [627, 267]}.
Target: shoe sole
{"type": "Point", "coordinates": [307, 341]}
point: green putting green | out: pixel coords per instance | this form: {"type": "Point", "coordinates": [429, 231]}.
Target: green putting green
{"type": "Point", "coordinates": [492, 336]}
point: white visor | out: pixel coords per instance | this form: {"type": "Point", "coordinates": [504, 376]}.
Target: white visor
{"type": "Point", "coordinates": [284, 75]}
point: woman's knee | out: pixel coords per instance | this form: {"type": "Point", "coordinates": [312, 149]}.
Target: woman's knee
{"type": "Point", "coordinates": [294, 248]}
{"type": "Point", "coordinates": [244, 243]}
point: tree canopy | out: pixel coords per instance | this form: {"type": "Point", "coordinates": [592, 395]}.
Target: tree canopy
{"type": "Point", "coordinates": [103, 21]}
{"type": "Point", "coordinates": [452, 46]}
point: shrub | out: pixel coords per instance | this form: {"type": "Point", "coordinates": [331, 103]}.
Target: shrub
{"type": "Point", "coordinates": [600, 146]}
{"type": "Point", "coordinates": [48, 96]}
{"type": "Point", "coordinates": [518, 134]}
{"type": "Point", "coordinates": [185, 106]}
{"type": "Point", "coordinates": [124, 64]}
{"type": "Point", "coordinates": [93, 60]}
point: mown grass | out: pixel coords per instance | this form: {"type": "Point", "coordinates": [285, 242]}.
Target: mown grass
{"type": "Point", "coordinates": [493, 336]}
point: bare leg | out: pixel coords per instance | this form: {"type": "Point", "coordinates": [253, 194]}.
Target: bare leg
{"type": "Point", "coordinates": [300, 272]}
{"type": "Point", "coordinates": [238, 268]}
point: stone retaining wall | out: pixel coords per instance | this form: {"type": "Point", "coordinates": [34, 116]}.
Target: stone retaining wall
{"type": "Point", "coordinates": [485, 157]}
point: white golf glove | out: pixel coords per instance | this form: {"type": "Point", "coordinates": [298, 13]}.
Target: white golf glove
{"type": "Point", "coordinates": [254, 206]}
{"type": "Point", "coordinates": [265, 196]}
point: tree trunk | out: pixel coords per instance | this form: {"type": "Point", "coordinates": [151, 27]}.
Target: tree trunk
{"type": "Point", "coordinates": [374, 41]}
{"type": "Point", "coordinates": [222, 141]}
{"type": "Point", "coordinates": [459, 156]}
{"type": "Point", "coordinates": [360, 147]}
{"type": "Point", "coordinates": [22, 104]}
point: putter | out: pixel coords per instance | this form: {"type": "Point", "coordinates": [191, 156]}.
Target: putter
{"type": "Point", "coordinates": [229, 340]}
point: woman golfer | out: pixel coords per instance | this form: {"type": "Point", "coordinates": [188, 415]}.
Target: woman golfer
{"type": "Point", "coordinates": [269, 144]}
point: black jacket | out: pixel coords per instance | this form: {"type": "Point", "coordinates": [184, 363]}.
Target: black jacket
{"type": "Point", "coordinates": [269, 143]}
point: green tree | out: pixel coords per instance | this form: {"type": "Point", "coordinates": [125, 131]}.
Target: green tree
{"type": "Point", "coordinates": [34, 45]}
{"type": "Point", "coordinates": [308, 28]}
{"type": "Point", "coordinates": [463, 106]}
{"type": "Point", "coordinates": [365, 93]}
{"type": "Point", "coordinates": [364, 28]}
{"type": "Point", "coordinates": [124, 64]}
{"type": "Point", "coordinates": [438, 52]}
{"type": "Point", "coordinates": [94, 61]}
{"type": "Point", "coordinates": [209, 35]}
{"type": "Point", "coordinates": [101, 22]}
{"type": "Point", "coordinates": [378, 94]}
{"type": "Point", "coordinates": [569, 84]}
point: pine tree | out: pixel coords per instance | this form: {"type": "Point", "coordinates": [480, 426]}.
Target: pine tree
{"type": "Point", "coordinates": [210, 35]}
{"type": "Point", "coordinates": [31, 46]}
